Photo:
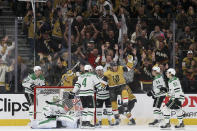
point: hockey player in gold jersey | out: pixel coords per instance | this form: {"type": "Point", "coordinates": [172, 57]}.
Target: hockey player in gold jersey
{"type": "Point", "coordinates": [117, 86]}
{"type": "Point", "coordinates": [68, 78]}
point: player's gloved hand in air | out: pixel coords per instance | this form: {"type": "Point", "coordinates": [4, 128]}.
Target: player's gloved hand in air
{"type": "Point", "coordinates": [71, 95]}
{"type": "Point", "coordinates": [164, 89]}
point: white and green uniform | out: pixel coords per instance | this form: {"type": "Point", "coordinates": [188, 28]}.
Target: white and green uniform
{"type": "Point", "coordinates": [158, 83]}
{"type": "Point", "coordinates": [53, 113]}
{"type": "Point", "coordinates": [86, 84]}
{"type": "Point", "coordinates": [176, 96]}
{"type": "Point", "coordinates": [102, 96]}
{"type": "Point", "coordinates": [175, 90]}
{"type": "Point", "coordinates": [31, 81]}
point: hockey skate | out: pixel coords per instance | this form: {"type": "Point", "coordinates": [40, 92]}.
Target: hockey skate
{"type": "Point", "coordinates": [111, 123]}
{"type": "Point", "coordinates": [131, 122]}
{"type": "Point", "coordinates": [84, 124]}
{"type": "Point", "coordinates": [155, 123]}
{"type": "Point", "coordinates": [117, 121]}
{"type": "Point", "coordinates": [165, 126]}
{"type": "Point", "coordinates": [89, 125]}
{"type": "Point", "coordinates": [99, 124]}
{"type": "Point", "coordinates": [180, 126]}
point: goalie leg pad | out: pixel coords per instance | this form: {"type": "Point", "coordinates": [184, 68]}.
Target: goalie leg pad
{"type": "Point", "coordinates": [44, 124]}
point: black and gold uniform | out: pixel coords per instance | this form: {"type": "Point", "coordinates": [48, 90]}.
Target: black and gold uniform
{"type": "Point", "coordinates": [117, 86]}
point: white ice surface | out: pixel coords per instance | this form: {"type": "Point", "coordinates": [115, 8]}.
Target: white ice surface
{"type": "Point", "coordinates": [116, 128]}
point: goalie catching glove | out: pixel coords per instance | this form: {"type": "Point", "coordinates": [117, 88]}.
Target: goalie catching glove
{"type": "Point", "coordinates": [71, 95]}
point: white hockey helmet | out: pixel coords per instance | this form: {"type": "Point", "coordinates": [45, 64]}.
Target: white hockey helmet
{"type": "Point", "coordinates": [99, 67]}
{"type": "Point", "coordinates": [156, 68]}
{"type": "Point", "coordinates": [87, 67]}
{"type": "Point", "coordinates": [171, 71]}
{"type": "Point", "coordinates": [37, 68]}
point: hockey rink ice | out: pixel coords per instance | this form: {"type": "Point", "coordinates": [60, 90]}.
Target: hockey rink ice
{"type": "Point", "coordinates": [115, 128]}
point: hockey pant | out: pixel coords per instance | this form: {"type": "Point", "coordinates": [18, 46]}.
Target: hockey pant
{"type": "Point", "coordinates": [46, 123]}
{"type": "Point", "coordinates": [88, 105]}
{"type": "Point", "coordinates": [177, 107]}
{"type": "Point", "coordinates": [157, 107]}
{"type": "Point", "coordinates": [30, 98]}
{"type": "Point", "coordinates": [99, 108]}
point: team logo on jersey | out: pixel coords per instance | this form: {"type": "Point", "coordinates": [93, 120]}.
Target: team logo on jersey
{"type": "Point", "coordinates": [116, 78]}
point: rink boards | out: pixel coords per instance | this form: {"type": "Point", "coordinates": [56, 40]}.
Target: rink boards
{"type": "Point", "coordinates": [14, 110]}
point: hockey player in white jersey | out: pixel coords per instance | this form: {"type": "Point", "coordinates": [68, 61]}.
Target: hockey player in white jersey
{"type": "Point", "coordinates": [86, 85]}
{"type": "Point", "coordinates": [176, 97]}
{"type": "Point", "coordinates": [102, 96]}
{"type": "Point", "coordinates": [54, 116]}
{"type": "Point", "coordinates": [32, 80]}
{"type": "Point", "coordinates": [158, 93]}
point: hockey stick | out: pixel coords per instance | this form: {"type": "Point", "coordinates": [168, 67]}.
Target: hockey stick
{"type": "Point", "coordinates": [59, 83]}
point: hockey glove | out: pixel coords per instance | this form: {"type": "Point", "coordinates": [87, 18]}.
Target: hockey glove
{"type": "Point", "coordinates": [149, 93]}
{"type": "Point", "coordinates": [71, 95]}
{"type": "Point", "coordinates": [32, 86]}
{"type": "Point", "coordinates": [164, 89]}
{"type": "Point", "coordinates": [177, 102]}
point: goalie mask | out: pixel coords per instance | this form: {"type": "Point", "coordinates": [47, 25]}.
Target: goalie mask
{"type": "Point", "coordinates": [55, 99]}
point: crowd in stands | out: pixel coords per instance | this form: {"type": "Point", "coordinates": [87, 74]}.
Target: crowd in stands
{"type": "Point", "coordinates": [103, 31]}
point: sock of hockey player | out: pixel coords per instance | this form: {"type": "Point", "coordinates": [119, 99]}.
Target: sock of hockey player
{"type": "Point", "coordinates": [157, 116]}
{"type": "Point", "coordinates": [99, 115]}
{"type": "Point", "coordinates": [31, 112]}
{"type": "Point", "coordinates": [84, 116]}
{"type": "Point", "coordinates": [179, 114]}
{"type": "Point", "coordinates": [115, 112]}
{"type": "Point", "coordinates": [125, 96]}
{"type": "Point", "coordinates": [90, 116]}
{"type": "Point", "coordinates": [110, 116]}
{"type": "Point", "coordinates": [166, 114]}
